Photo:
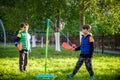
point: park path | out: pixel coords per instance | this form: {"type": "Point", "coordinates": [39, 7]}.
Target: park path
{"type": "Point", "coordinates": [108, 51]}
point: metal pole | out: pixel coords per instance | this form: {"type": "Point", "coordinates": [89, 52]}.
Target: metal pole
{"type": "Point", "coordinates": [47, 42]}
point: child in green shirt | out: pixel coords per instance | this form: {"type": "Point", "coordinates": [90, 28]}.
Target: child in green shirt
{"type": "Point", "coordinates": [23, 38]}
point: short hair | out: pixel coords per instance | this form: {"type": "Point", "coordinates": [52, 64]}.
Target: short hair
{"type": "Point", "coordinates": [22, 25]}
{"type": "Point", "coordinates": [86, 26]}
{"type": "Point", "coordinates": [26, 24]}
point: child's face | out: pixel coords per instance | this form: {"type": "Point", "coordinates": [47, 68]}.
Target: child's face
{"type": "Point", "coordinates": [85, 31]}
{"type": "Point", "coordinates": [22, 28]}
{"type": "Point", "coordinates": [26, 28]}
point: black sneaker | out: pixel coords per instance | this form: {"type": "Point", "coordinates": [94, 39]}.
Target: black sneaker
{"type": "Point", "coordinates": [21, 70]}
{"type": "Point", "coordinates": [70, 75]}
{"type": "Point", "coordinates": [24, 68]}
{"type": "Point", "coordinates": [92, 77]}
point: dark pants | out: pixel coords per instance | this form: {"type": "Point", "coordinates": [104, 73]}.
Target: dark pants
{"type": "Point", "coordinates": [23, 60]}
{"type": "Point", "coordinates": [88, 64]}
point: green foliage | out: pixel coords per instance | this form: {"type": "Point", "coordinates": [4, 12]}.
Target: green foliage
{"type": "Point", "coordinates": [105, 66]}
{"type": "Point", "coordinates": [107, 14]}
{"type": "Point", "coordinates": [71, 28]}
{"type": "Point", "coordinates": [103, 15]}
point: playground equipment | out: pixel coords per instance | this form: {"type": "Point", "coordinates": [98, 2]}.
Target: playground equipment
{"type": "Point", "coordinates": [3, 32]}
{"type": "Point", "coordinates": [45, 75]}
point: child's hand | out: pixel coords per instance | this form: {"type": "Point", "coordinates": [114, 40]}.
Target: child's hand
{"type": "Point", "coordinates": [73, 47]}
{"type": "Point", "coordinates": [16, 44]}
{"type": "Point", "coordinates": [19, 46]}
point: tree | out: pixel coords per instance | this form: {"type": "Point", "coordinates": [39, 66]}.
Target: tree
{"type": "Point", "coordinates": [107, 17]}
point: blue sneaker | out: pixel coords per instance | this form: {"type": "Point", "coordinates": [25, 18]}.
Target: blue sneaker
{"type": "Point", "coordinates": [70, 75]}
{"type": "Point", "coordinates": [92, 77]}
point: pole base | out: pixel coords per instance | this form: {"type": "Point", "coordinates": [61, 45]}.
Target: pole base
{"type": "Point", "coordinates": [44, 76]}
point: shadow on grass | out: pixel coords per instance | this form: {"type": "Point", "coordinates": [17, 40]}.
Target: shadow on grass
{"type": "Point", "coordinates": [37, 53]}
{"type": "Point", "coordinates": [57, 76]}
{"type": "Point", "coordinates": [9, 52]}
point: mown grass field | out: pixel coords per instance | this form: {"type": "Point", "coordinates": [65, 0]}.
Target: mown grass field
{"type": "Point", "coordinates": [105, 66]}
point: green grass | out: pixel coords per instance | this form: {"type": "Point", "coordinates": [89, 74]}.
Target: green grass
{"type": "Point", "coordinates": [106, 67]}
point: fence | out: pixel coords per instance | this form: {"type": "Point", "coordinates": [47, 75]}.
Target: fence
{"type": "Point", "coordinates": [101, 42]}
{"type": "Point", "coordinates": [107, 42]}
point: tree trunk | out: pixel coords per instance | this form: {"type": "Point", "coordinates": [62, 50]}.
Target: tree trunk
{"type": "Point", "coordinates": [33, 41]}
{"type": "Point", "coordinates": [102, 43]}
{"type": "Point", "coordinates": [41, 41]}
{"type": "Point", "coordinates": [57, 33]}
{"type": "Point", "coordinates": [82, 18]}
{"type": "Point", "coordinates": [57, 41]}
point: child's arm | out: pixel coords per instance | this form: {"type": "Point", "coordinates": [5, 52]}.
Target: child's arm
{"type": "Point", "coordinates": [29, 43]}
{"type": "Point", "coordinates": [17, 39]}
{"type": "Point", "coordinates": [77, 48]}
{"type": "Point", "coordinates": [91, 45]}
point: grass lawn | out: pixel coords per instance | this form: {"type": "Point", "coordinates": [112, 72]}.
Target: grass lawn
{"type": "Point", "coordinates": [105, 66]}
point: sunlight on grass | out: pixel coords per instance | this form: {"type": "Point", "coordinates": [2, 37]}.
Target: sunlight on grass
{"type": "Point", "coordinates": [106, 67]}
